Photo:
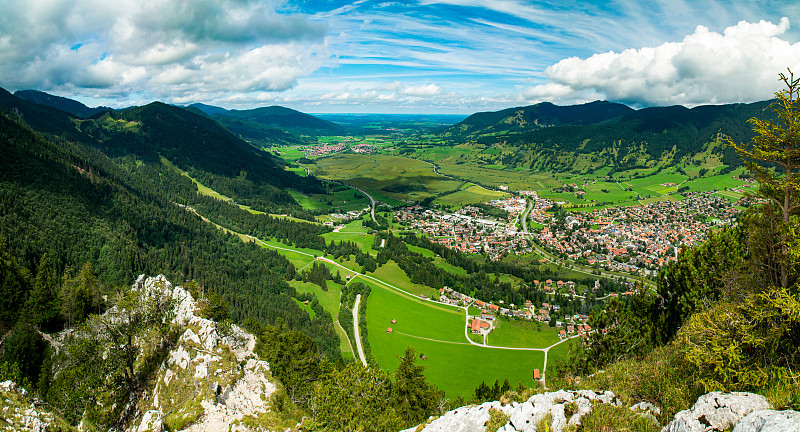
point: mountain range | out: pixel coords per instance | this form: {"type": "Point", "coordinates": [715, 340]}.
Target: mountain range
{"type": "Point", "coordinates": [583, 138]}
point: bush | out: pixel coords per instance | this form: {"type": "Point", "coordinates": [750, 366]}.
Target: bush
{"type": "Point", "coordinates": [748, 346]}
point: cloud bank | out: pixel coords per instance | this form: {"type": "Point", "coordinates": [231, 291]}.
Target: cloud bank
{"type": "Point", "coordinates": [180, 49]}
{"type": "Point", "coordinates": [739, 65]}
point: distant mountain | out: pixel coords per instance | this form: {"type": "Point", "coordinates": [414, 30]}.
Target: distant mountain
{"type": "Point", "coordinates": [586, 137]}
{"type": "Point", "coordinates": [271, 125]}
{"type": "Point", "coordinates": [540, 115]}
{"type": "Point", "coordinates": [64, 104]}
{"type": "Point", "coordinates": [192, 142]}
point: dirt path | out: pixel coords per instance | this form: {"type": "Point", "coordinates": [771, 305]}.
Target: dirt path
{"type": "Point", "coordinates": [357, 332]}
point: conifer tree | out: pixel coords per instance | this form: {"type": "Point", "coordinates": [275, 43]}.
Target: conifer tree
{"type": "Point", "coordinates": [777, 144]}
{"type": "Point", "coordinates": [414, 398]}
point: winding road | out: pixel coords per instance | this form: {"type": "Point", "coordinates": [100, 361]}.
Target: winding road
{"type": "Point", "coordinates": [371, 202]}
{"type": "Point", "coordinates": [357, 332]}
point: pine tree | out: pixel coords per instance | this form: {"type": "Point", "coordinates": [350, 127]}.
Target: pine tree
{"type": "Point", "coordinates": [43, 300]}
{"type": "Point", "coordinates": [778, 144]}
{"type": "Point", "coordinates": [414, 398]}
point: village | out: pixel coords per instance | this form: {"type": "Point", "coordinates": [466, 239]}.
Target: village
{"type": "Point", "coordinates": [469, 230]}
{"type": "Point", "coordinates": [483, 323]}
{"type": "Point", "coordinates": [335, 147]}
{"type": "Point", "coordinates": [636, 239]}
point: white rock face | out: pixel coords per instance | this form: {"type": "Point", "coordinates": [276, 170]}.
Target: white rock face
{"type": "Point", "coordinates": [211, 380]}
{"type": "Point", "coordinates": [770, 421]}
{"type": "Point", "coordinates": [716, 412]}
{"type": "Point", "coordinates": [18, 413]}
{"type": "Point", "coordinates": [524, 417]}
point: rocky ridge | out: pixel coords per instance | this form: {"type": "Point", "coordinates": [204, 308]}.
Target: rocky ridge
{"type": "Point", "coordinates": [210, 380]}
{"type": "Point", "coordinates": [564, 410]}
{"type": "Point", "coordinates": [19, 413]}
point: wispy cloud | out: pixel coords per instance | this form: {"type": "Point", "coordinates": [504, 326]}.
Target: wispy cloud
{"type": "Point", "coordinates": [367, 55]}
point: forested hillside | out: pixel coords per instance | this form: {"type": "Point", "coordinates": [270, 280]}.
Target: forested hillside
{"type": "Point", "coordinates": [68, 212]}
{"type": "Point", "coordinates": [583, 138]}
{"type": "Point", "coordinates": [726, 315]}
{"type": "Point", "coordinates": [64, 104]}
{"type": "Point", "coordinates": [273, 125]}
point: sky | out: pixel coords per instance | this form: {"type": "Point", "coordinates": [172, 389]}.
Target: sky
{"type": "Point", "coordinates": [417, 56]}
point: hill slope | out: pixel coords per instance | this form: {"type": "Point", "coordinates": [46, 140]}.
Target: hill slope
{"type": "Point", "coordinates": [271, 125]}
{"type": "Point", "coordinates": [582, 138]}
{"type": "Point", "coordinates": [64, 104]}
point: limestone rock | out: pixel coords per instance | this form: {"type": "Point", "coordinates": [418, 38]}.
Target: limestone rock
{"type": "Point", "coordinates": [716, 412]}
{"type": "Point", "coordinates": [211, 380]}
{"type": "Point", "coordinates": [525, 416]}
{"type": "Point", "coordinates": [769, 421]}
{"type": "Point", "coordinates": [151, 422]}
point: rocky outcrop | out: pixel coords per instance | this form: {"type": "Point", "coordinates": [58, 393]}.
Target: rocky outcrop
{"type": "Point", "coordinates": [564, 410]}
{"type": "Point", "coordinates": [555, 410]}
{"type": "Point", "coordinates": [716, 412]}
{"type": "Point", "coordinates": [210, 380]}
{"type": "Point", "coordinates": [19, 413]}
{"type": "Point", "coordinates": [769, 421]}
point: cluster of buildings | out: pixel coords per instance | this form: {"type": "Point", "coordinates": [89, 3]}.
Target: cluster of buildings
{"type": "Point", "coordinates": [484, 323]}
{"type": "Point", "coordinates": [323, 149]}
{"type": "Point", "coordinates": [634, 239]}
{"type": "Point", "coordinates": [514, 206]}
{"type": "Point", "coordinates": [467, 230]}
{"type": "Point", "coordinates": [363, 149]}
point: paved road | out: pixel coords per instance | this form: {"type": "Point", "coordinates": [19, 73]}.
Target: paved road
{"type": "Point", "coordinates": [371, 201]}
{"type": "Point", "coordinates": [357, 332]}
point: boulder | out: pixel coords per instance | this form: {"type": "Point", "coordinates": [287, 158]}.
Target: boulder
{"type": "Point", "coordinates": [716, 412]}
{"type": "Point", "coordinates": [151, 422]}
{"type": "Point", "coordinates": [769, 421]}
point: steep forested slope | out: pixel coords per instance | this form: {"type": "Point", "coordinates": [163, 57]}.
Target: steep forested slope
{"type": "Point", "coordinates": [583, 137]}
{"type": "Point", "coordinates": [64, 104]}
{"type": "Point", "coordinates": [273, 125]}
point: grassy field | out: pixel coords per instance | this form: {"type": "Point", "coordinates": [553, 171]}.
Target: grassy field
{"type": "Point", "coordinates": [340, 201]}
{"type": "Point", "coordinates": [452, 364]}
{"type": "Point", "coordinates": [556, 354]}
{"type": "Point", "coordinates": [524, 334]}
{"type": "Point", "coordinates": [393, 274]}
{"type": "Point", "coordinates": [515, 180]}
{"type": "Point", "coordinates": [306, 308]}
{"type": "Point", "coordinates": [394, 177]}
{"type": "Point", "coordinates": [329, 300]}
{"type": "Point", "coordinates": [470, 195]}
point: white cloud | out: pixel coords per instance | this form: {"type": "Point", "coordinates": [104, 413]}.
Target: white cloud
{"type": "Point", "coordinates": [739, 65]}
{"type": "Point", "coordinates": [425, 90]}
{"type": "Point", "coordinates": [168, 50]}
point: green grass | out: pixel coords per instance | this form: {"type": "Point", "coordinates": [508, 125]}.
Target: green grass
{"type": "Point", "coordinates": [517, 333]}
{"type": "Point", "coordinates": [557, 354]}
{"type": "Point", "coordinates": [457, 368]}
{"type": "Point", "coordinates": [422, 251]}
{"type": "Point", "coordinates": [392, 179]}
{"type": "Point", "coordinates": [393, 274]}
{"type": "Point", "coordinates": [299, 260]}
{"type": "Point", "coordinates": [470, 195]}
{"type": "Point", "coordinates": [306, 308]}
{"type": "Point", "coordinates": [329, 300]}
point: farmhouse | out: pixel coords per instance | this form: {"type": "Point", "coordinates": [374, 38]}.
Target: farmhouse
{"type": "Point", "coordinates": [478, 325]}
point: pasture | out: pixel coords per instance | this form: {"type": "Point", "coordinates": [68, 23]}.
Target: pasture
{"type": "Point", "coordinates": [452, 364]}
{"type": "Point", "coordinates": [523, 334]}
{"type": "Point", "coordinates": [395, 177]}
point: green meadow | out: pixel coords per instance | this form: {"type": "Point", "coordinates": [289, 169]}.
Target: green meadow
{"type": "Point", "coordinates": [522, 334]}
{"type": "Point", "coordinates": [452, 364]}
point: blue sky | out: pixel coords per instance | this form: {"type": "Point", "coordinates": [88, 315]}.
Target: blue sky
{"type": "Point", "coordinates": [447, 56]}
